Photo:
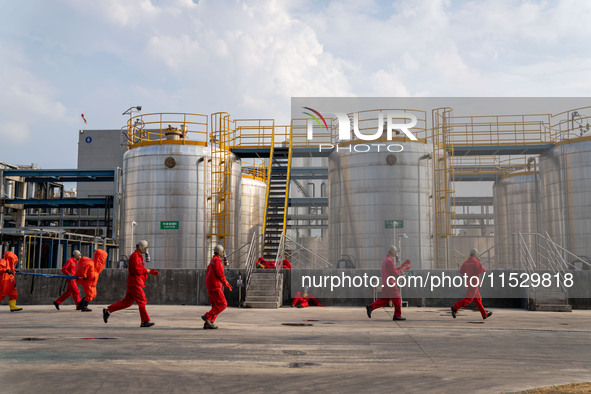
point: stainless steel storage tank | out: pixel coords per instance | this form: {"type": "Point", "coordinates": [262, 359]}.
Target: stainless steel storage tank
{"type": "Point", "coordinates": [167, 198]}
{"type": "Point", "coordinates": [566, 194]}
{"type": "Point", "coordinates": [370, 188]}
{"type": "Point", "coordinates": [252, 211]}
{"type": "Point", "coordinates": [516, 209]}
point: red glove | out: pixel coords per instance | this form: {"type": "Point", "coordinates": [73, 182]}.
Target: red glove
{"type": "Point", "coordinates": [406, 265]}
{"type": "Point", "coordinates": [228, 286]}
{"type": "Point", "coordinates": [154, 272]}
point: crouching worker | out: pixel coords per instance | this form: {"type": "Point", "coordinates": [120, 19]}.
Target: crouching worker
{"type": "Point", "coordinates": [72, 290]}
{"type": "Point", "coordinates": [88, 270]}
{"type": "Point", "coordinates": [136, 281]}
{"type": "Point", "coordinates": [215, 280]}
{"type": "Point", "coordinates": [7, 282]}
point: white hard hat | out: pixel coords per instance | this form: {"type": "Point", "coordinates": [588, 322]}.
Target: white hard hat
{"type": "Point", "coordinates": [76, 254]}
{"type": "Point", "coordinates": [474, 252]}
{"type": "Point", "coordinates": [219, 250]}
{"type": "Point", "coordinates": [393, 250]}
{"type": "Point", "coordinates": [143, 245]}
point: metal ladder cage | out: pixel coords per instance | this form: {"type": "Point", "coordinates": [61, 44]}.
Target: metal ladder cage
{"type": "Point", "coordinates": [220, 179]}
{"type": "Point", "coordinates": [442, 193]}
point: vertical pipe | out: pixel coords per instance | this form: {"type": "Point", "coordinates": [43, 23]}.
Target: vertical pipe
{"type": "Point", "coordinates": [40, 247]}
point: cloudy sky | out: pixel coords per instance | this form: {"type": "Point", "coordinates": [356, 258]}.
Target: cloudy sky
{"type": "Point", "coordinates": [61, 58]}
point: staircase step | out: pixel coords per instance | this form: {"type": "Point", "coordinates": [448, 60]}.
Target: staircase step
{"type": "Point", "coordinates": [261, 304]}
{"type": "Point", "coordinates": [554, 308]}
{"type": "Point", "coordinates": [552, 301]}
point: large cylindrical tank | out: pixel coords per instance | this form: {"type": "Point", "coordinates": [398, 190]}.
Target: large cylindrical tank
{"type": "Point", "coordinates": [566, 195]}
{"type": "Point", "coordinates": [370, 189]}
{"type": "Point", "coordinates": [166, 190]}
{"type": "Point", "coordinates": [516, 209]}
{"type": "Point", "coordinates": [252, 211]}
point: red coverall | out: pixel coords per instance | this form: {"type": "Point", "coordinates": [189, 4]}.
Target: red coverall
{"type": "Point", "coordinates": [72, 290]}
{"type": "Point", "coordinates": [472, 268]}
{"type": "Point", "coordinates": [305, 300]}
{"type": "Point", "coordinates": [215, 280]}
{"type": "Point", "coordinates": [7, 282]}
{"type": "Point", "coordinates": [389, 290]}
{"type": "Point", "coordinates": [90, 269]}
{"type": "Point", "coordinates": [136, 281]}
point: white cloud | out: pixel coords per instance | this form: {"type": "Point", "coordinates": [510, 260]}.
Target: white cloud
{"type": "Point", "coordinates": [248, 57]}
{"type": "Point", "coordinates": [27, 101]}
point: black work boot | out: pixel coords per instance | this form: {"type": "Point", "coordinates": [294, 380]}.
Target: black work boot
{"type": "Point", "coordinates": [57, 306]}
{"type": "Point", "coordinates": [208, 324]}
{"type": "Point", "coordinates": [147, 324]}
{"type": "Point", "coordinates": [453, 312]}
{"type": "Point", "coordinates": [85, 306]}
{"type": "Point", "coordinates": [398, 318]}
{"type": "Point", "coordinates": [369, 310]}
{"type": "Point", "coordinates": [106, 314]}
{"type": "Point", "coordinates": [488, 314]}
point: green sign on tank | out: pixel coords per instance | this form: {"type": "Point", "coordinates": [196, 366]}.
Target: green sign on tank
{"type": "Point", "coordinates": [169, 225]}
{"type": "Point", "coordinates": [393, 223]}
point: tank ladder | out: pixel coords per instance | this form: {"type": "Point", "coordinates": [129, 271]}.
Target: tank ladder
{"type": "Point", "coordinates": [219, 184]}
{"type": "Point", "coordinates": [442, 193]}
{"type": "Point", "coordinates": [277, 198]}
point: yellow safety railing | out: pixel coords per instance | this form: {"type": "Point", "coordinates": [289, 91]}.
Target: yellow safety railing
{"type": "Point", "coordinates": [573, 124]}
{"type": "Point", "coordinates": [256, 171]}
{"type": "Point", "coordinates": [252, 133]}
{"type": "Point", "coordinates": [499, 129]}
{"type": "Point", "coordinates": [167, 128]}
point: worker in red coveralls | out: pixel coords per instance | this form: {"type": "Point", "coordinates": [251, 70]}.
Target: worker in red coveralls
{"type": "Point", "coordinates": [72, 289]}
{"type": "Point", "coordinates": [304, 299]}
{"type": "Point", "coordinates": [7, 282]}
{"type": "Point", "coordinates": [214, 281]}
{"type": "Point", "coordinates": [472, 268]}
{"type": "Point", "coordinates": [389, 288]}
{"type": "Point", "coordinates": [88, 271]}
{"type": "Point", "coordinates": [136, 281]}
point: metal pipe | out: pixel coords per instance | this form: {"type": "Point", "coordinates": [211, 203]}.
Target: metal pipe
{"type": "Point", "coordinates": [425, 156]}
{"type": "Point", "coordinates": [197, 208]}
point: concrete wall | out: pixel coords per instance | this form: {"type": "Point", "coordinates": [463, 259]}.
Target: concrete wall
{"type": "Point", "coordinates": [172, 286]}
{"type": "Point", "coordinates": [187, 287]}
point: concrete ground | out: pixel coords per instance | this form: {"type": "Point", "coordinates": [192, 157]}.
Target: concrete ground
{"type": "Point", "coordinates": [333, 349]}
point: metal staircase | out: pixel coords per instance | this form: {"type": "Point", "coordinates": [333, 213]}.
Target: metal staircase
{"type": "Point", "coordinates": [547, 257]}
{"type": "Point", "coordinates": [277, 200]}
{"type": "Point", "coordinates": [261, 284]}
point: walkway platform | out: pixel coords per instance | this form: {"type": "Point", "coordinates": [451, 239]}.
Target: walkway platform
{"type": "Point", "coordinates": [291, 350]}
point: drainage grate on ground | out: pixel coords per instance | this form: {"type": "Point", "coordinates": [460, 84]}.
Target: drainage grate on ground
{"type": "Point", "coordinates": [34, 339]}
{"type": "Point", "coordinates": [297, 324]}
{"type": "Point", "coordinates": [301, 365]}
{"type": "Point", "coordinates": [294, 352]}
